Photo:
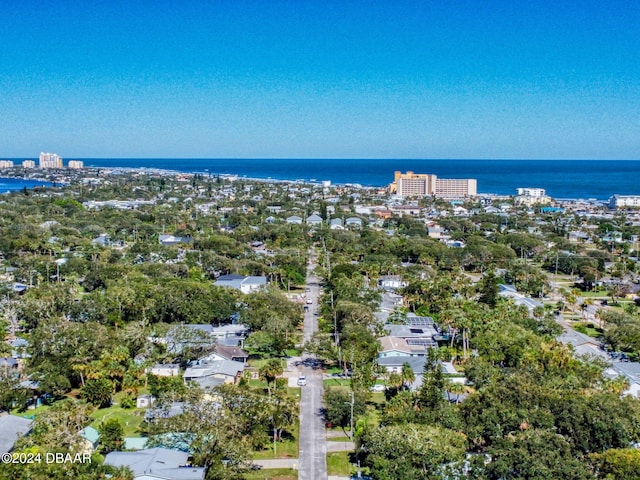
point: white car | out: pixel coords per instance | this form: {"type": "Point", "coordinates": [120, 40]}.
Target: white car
{"type": "Point", "coordinates": [378, 388]}
{"type": "Point", "coordinates": [302, 381]}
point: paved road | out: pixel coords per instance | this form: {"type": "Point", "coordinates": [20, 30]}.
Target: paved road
{"type": "Point", "coordinates": [313, 446]}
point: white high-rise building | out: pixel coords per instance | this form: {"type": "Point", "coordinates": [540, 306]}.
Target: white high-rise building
{"type": "Point", "coordinates": [6, 163]}
{"type": "Point", "coordinates": [50, 160]}
{"type": "Point", "coordinates": [76, 164]}
{"type": "Point", "coordinates": [532, 192]}
{"type": "Point", "coordinates": [28, 164]}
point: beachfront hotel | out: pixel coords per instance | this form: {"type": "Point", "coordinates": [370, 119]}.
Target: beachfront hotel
{"type": "Point", "coordinates": [50, 160]}
{"type": "Point", "coordinates": [622, 201]}
{"type": "Point", "coordinates": [75, 164]}
{"type": "Point", "coordinates": [421, 184]}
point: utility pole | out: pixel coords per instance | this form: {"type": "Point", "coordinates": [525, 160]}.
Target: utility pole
{"type": "Point", "coordinates": [351, 418]}
{"type": "Point", "coordinates": [275, 436]}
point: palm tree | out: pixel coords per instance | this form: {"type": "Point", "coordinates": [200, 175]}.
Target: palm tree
{"type": "Point", "coordinates": [394, 380]}
{"type": "Point", "coordinates": [269, 371]}
{"type": "Point", "coordinates": [407, 376]}
{"type": "Point", "coordinates": [456, 389]}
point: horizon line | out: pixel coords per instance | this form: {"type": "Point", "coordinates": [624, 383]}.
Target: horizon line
{"type": "Point", "coordinates": [339, 158]}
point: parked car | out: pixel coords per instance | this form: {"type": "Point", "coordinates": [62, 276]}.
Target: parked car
{"type": "Point", "coordinates": [302, 381]}
{"type": "Point", "coordinates": [378, 388]}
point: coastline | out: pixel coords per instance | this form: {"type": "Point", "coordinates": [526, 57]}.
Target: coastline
{"type": "Point", "coordinates": [566, 179]}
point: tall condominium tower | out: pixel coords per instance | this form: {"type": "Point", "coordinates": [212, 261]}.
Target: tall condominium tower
{"type": "Point", "coordinates": [50, 160]}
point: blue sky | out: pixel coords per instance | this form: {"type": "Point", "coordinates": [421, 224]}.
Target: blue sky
{"type": "Point", "coordinates": [311, 79]}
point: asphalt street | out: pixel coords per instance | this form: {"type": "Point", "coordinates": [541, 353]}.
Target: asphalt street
{"type": "Point", "coordinates": [313, 446]}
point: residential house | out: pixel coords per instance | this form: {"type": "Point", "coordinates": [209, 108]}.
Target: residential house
{"type": "Point", "coordinates": [294, 220]}
{"type": "Point", "coordinates": [90, 439]}
{"type": "Point", "coordinates": [631, 372]}
{"type": "Point", "coordinates": [170, 240]}
{"type": "Point", "coordinates": [391, 282]}
{"type": "Point", "coordinates": [415, 335]}
{"type": "Point", "coordinates": [156, 463]}
{"type": "Point", "coordinates": [102, 240]}
{"type": "Point", "coordinates": [579, 237]}
{"type": "Point", "coordinates": [336, 224]}
{"type": "Point", "coordinates": [583, 345]}
{"type": "Point", "coordinates": [242, 283]}
{"type": "Point", "coordinates": [8, 364]}
{"type": "Point", "coordinates": [145, 401]}
{"type": "Point", "coordinates": [353, 222]}
{"type": "Point", "coordinates": [509, 291]}
{"type": "Point", "coordinates": [436, 231]}
{"type": "Point", "coordinates": [165, 370]}
{"type": "Point", "coordinates": [398, 347]}
{"type": "Point", "coordinates": [12, 427]}
{"type": "Point", "coordinates": [314, 220]}
{"type": "Point", "coordinates": [394, 364]}
{"type": "Point", "coordinates": [209, 375]}
{"type": "Point", "coordinates": [227, 352]}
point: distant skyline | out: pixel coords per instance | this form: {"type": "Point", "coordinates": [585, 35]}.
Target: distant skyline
{"type": "Point", "coordinates": [310, 79]}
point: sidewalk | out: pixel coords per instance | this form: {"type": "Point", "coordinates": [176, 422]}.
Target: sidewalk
{"type": "Point", "coordinates": [278, 463]}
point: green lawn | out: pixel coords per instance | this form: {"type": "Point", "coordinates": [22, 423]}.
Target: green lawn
{"type": "Point", "coordinates": [338, 463]}
{"type": "Point", "coordinates": [588, 329]}
{"type": "Point", "coordinates": [272, 474]}
{"type": "Point", "coordinates": [596, 294]}
{"type": "Point", "coordinates": [130, 419]}
{"type": "Point", "coordinates": [284, 449]}
{"type": "Point", "coordinates": [31, 413]}
{"type": "Point", "coordinates": [337, 382]}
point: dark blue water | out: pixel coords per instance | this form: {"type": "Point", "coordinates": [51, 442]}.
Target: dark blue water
{"type": "Point", "coordinates": [561, 178]}
{"type": "Point", "coordinates": [13, 184]}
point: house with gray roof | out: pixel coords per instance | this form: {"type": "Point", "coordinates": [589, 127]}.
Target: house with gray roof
{"type": "Point", "coordinates": [294, 220]}
{"type": "Point", "coordinates": [314, 220]}
{"type": "Point", "coordinates": [170, 240]}
{"type": "Point", "coordinates": [353, 222]}
{"type": "Point", "coordinates": [12, 427]}
{"type": "Point", "coordinates": [157, 464]}
{"type": "Point", "coordinates": [209, 375]}
{"type": "Point", "coordinates": [509, 291]}
{"type": "Point", "coordinates": [394, 363]}
{"type": "Point", "coordinates": [583, 345]}
{"type": "Point", "coordinates": [336, 224]}
{"type": "Point", "coordinates": [415, 335]}
{"type": "Point", "coordinates": [240, 282]}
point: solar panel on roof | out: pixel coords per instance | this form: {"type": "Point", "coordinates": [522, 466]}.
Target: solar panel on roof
{"type": "Point", "coordinates": [419, 321]}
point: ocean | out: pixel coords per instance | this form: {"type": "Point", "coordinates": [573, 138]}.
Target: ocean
{"type": "Point", "coordinates": [585, 179]}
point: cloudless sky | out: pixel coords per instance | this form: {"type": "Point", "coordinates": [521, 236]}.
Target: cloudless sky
{"type": "Point", "coordinates": [313, 79]}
